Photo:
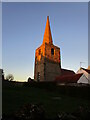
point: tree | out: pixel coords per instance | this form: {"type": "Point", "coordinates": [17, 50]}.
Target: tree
{"type": "Point", "coordinates": [10, 77]}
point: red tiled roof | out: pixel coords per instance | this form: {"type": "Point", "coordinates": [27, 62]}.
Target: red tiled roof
{"type": "Point", "coordinates": [87, 70]}
{"type": "Point", "coordinates": [68, 78]}
{"type": "Point", "coordinates": [67, 72]}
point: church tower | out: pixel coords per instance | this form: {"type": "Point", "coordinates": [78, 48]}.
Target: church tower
{"type": "Point", "coordinates": [47, 58]}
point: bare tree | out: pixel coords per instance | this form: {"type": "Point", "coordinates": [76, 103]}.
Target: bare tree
{"type": "Point", "coordinates": [10, 77]}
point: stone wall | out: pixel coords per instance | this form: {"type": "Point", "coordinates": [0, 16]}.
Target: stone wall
{"type": "Point", "coordinates": [47, 66]}
{"type": "Point", "coordinates": [48, 55]}
{"type": "Point", "coordinates": [52, 70]}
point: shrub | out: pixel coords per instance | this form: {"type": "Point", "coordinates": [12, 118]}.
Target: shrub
{"type": "Point", "coordinates": [31, 112]}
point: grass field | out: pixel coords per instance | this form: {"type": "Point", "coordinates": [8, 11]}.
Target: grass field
{"type": "Point", "coordinates": [53, 100]}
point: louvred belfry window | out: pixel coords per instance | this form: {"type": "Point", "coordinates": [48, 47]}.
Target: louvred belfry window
{"type": "Point", "coordinates": [52, 51]}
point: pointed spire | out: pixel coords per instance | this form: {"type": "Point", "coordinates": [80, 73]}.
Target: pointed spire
{"type": "Point", "coordinates": [47, 34]}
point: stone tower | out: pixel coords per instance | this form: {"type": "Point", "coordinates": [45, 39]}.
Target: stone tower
{"type": "Point", "coordinates": [47, 58]}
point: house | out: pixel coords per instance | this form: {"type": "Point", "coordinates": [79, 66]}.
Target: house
{"type": "Point", "coordinates": [82, 76]}
{"type": "Point", "coordinates": [85, 78]}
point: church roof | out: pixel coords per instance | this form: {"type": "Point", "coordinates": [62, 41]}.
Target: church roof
{"type": "Point", "coordinates": [68, 78]}
{"type": "Point", "coordinates": [47, 34]}
{"type": "Point", "coordinates": [67, 72]}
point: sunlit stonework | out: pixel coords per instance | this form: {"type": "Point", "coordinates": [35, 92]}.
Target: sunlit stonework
{"type": "Point", "coordinates": [47, 58]}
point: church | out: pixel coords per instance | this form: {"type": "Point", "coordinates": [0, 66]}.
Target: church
{"type": "Point", "coordinates": [48, 59]}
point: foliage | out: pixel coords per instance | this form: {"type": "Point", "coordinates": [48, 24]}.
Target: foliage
{"type": "Point", "coordinates": [31, 112]}
{"type": "Point", "coordinates": [37, 112]}
{"type": "Point", "coordinates": [10, 77]}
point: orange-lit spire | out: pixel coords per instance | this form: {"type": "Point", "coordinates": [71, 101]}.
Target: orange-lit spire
{"type": "Point", "coordinates": [47, 34]}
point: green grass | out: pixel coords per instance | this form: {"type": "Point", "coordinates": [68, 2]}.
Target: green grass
{"type": "Point", "coordinates": [15, 97]}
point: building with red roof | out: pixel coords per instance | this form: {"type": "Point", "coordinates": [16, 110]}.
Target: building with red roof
{"type": "Point", "coordinates": [85, 78]}
{"type": "Point", "coordinates": [67, 76]}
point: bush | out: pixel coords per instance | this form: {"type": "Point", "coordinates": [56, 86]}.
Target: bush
{"type": "Point", "coordinates": [37, 112]}
{"type": "Point", "coordinates": [31, 112]}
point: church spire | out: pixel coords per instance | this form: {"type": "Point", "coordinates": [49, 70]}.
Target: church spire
{"type": "Point", "coordinates": [47, 34]}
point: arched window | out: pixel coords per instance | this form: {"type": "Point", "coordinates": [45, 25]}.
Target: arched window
{"type": "Point", "coordinates": [52, 51]}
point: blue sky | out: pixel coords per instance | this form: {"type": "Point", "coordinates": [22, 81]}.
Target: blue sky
{"type": "Point", "coordinates": [23, 30]}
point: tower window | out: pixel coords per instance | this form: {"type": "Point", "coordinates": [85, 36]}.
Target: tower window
{"type": "Point", "coordinates": [38, 76]}
{"type": "Point", "coordinates": [39, 52]}
{"type": "Point", "coordinates": [52, 51]}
